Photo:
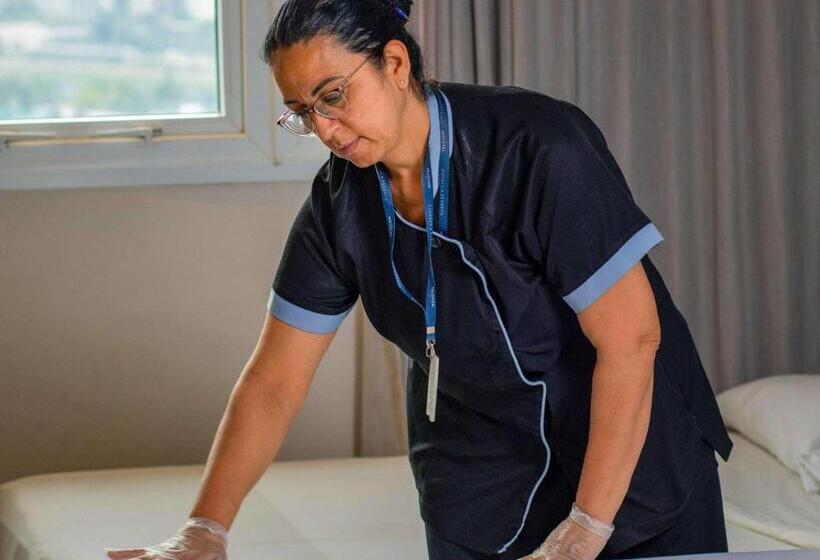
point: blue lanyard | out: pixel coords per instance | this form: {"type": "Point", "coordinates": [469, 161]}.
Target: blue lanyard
{"type": "Point", "coordinates": [435, 103]}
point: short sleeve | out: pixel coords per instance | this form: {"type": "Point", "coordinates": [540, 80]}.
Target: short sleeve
{"type": "Point", "coordinates": [309, 291]}
{"type": "Point", "coordinates": [591, 230]}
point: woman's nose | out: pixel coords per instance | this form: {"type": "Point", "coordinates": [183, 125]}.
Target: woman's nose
{"type": "Point", "coordinates": [323, 127]}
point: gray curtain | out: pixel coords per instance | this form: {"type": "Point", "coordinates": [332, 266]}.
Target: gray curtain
{"type": "Point", "coordinates": [712, 110]}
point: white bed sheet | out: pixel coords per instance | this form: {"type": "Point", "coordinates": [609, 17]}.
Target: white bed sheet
{"type": "Point", "coordinates": [364, 508]}
{"type": "Point", "coordinates": [763, 496]}
{"type": "Point", "coordinates": [352, 508]}
{"type": "Point", "coordinates": [741, 539]}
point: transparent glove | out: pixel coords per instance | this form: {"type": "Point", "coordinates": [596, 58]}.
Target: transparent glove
{"type": "Point", "coordinates": [199, 538]}
{"type": "Point", "coordinates": [578, 537]}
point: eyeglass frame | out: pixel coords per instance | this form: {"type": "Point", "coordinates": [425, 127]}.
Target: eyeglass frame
{"type": "Point", "coordinates": [288, 111]}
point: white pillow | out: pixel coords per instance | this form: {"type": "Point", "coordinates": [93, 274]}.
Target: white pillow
{"type": "Point", "coordinates": [781, 414]}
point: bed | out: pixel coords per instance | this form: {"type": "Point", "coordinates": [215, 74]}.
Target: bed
{"type": "Point", "coordinates": [330, 508]}
{"type": "Point", "coordinates": [764, 503]}
{"type": "Point", "coordinates": [363, 508]}
{"type": "Point", "coordinates": [367, 507]}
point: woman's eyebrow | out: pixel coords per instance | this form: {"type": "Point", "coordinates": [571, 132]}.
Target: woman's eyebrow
{"type": "Point", "coordinates": [315, 89]}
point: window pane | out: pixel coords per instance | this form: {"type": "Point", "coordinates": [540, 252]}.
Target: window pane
{"type": "Point", "coordinates": [73, 59]}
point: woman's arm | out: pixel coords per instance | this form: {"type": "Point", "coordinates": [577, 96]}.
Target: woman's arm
{"type": "Point", "coordinates": [623, 326]}
{"type": "Point", "coordinates": [269, 393]}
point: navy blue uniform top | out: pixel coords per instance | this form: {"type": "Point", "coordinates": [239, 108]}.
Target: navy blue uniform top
{"type": "Point", "coordinates": [541, 223]}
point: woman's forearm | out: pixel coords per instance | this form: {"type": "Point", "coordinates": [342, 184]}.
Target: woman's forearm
{"type": "Point", "coordinates": [622, 386]}
{"type": "Point", "coordinates": [249, 436]}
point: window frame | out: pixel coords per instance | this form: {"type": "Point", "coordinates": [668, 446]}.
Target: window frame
{"type": "Point", "coordinates": [244, 145]}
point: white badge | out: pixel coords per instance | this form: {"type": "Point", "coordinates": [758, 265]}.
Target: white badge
{"type": "Point", "coordinates": [432, 384]}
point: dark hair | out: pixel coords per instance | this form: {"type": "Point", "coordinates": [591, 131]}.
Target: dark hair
{"type": "Point", "coordinates": [361, 26]}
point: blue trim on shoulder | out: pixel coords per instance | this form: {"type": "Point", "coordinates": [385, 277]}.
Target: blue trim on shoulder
{"type": "Point", "coordinates": [611, 271]}
{"type": "Point", "coordinates": [302, 318]}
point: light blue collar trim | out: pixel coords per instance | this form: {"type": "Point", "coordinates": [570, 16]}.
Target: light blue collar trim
{"type": "Point", "coordinates": [433, 138]}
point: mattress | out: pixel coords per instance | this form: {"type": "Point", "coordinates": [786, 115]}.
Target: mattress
{"type": "Point", "coordinates": [339, 509]}
{"type": "Point", "coordinates": [364, 508]}
{"type": "Point", "coordinates": [761, 497]}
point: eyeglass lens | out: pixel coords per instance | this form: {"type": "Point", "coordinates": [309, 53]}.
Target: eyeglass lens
{"type": "Point", "coordinates": [331, 105]}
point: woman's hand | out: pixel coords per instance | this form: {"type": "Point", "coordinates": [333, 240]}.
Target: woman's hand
{"type": "Point", "coordinates": [199, 538]}
{"type": "Point", "coordinates": [578, 537]}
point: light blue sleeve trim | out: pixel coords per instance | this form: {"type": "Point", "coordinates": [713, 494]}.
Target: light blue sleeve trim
{"type": "Point", "coordinates": [611, 271]}
{"type": "Point", "coordinates": [302, 318]}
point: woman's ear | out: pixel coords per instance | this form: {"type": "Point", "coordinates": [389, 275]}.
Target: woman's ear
{"type": "Point", "coordinates": [397, 61]}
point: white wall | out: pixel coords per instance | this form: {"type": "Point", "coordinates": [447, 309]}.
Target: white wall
{"type": "Point", "coordinates": [126, 315]}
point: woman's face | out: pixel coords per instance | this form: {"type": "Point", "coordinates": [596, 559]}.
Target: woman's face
{"type": "Point", "coordinates": [374, 106]}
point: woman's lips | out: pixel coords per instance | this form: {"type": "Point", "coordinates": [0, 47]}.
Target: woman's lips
{"type": "Point", "coordinates": [350, 148]}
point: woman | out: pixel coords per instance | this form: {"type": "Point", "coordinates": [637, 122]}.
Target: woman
{"type": "Point", "coordinates": [557, 407]}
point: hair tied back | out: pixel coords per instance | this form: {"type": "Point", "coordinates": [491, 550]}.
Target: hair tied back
{"type": "Point", "coordinates": [398, 9]}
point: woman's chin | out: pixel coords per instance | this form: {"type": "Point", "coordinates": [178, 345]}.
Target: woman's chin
{"type": "Point", "coordinates": [358, 159]}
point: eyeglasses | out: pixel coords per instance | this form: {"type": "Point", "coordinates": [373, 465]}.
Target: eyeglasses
{"type": "Point", "coordinates": [330, 105]}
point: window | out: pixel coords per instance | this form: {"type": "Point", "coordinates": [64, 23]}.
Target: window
{"type": "Point", "coordinates": [141, 92]}
{"type": "Point", "coordinates": [95, 60]}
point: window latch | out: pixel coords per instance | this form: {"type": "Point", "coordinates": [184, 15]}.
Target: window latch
{"type": "Point", "coordinates": [147, 133]}
{"type": "Point", "coordinates": [9, 136]}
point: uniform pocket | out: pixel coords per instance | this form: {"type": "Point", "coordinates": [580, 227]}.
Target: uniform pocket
{"type": "Point", "coordinates": [677, 396]}
{"type": "Point", "coordinates": [671, 462]}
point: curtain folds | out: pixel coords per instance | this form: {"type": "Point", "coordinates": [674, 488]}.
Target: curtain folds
{"type": "Point", "coordinates": [712, 110]}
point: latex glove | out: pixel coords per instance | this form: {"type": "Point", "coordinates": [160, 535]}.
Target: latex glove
{"type": "Point", "coordinates": [578, 537]}
{"type": "Point", "coordinates": [199, 538]}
